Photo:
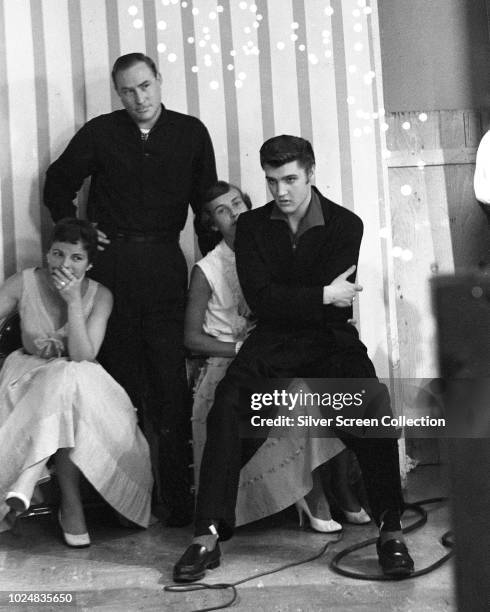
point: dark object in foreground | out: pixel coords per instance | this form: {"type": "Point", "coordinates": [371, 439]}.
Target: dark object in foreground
{"type": "Point", "coordinates": [195, 561]}
{"type": "Point", "coordinates": [394, 558]}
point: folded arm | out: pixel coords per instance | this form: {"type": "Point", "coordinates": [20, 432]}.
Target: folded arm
{"type": "Point", "coordinates": [272, 300]}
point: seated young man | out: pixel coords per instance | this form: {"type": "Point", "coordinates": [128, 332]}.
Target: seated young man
{"type": "Point", "coordinates": [294, 257]}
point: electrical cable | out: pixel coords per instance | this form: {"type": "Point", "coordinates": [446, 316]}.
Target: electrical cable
{"type": "Point", "coordinates": [416, 507]}
{"type": "Point", "coordinates": [199, 586]}
{"type": "Point", "coordinates": [334, 564]}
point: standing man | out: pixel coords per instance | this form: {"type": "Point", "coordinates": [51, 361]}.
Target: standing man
{"type": "Point", "coordinates": [146, 164]}
{"type": "Point", "coordinates": [294, 256]}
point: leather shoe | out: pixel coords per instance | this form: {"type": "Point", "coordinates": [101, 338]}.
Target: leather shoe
{"type": "Point", "coordinates": [195, 561]}
{"type": "Point", "coordinates": [394, 558]}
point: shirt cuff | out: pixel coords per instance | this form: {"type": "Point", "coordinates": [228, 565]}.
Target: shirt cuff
{"type": "Point", "coordinates": [327, 298]}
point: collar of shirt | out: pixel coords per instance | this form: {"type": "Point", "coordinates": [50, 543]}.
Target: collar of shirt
{"type": "Point", "coordinates": [312, 217]}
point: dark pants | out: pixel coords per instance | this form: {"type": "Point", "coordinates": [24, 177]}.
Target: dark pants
{"type": "Point", "coordinates": [143, 350]}
{"type": "Point", "coordinates": [269, 354]}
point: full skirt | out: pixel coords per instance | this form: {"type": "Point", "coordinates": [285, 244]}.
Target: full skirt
{"type": "Point", "coordinates": [280, 472]}
{"type": "Point", "coordinates": [56, 403]}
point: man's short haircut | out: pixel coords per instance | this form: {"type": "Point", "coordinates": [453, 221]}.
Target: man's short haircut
{"type": "Point", "coordinates": [209, 237]}
{"type": "Point", "coordinates": [283, 149]}
{"type": "Point", "coordinates": [130, 59]}
{"type": "Point", "coordinates": [77, 230]}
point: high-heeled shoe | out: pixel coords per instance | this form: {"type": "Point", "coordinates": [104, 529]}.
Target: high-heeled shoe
{"type": "Point", "coordinates": [321, 525]}
{"type": "Point", "coordinates": [357, 518]}
{"type": "Point", "coordinates": [17, 501]}
{"type": "Point", "coordinates": [81, 540]}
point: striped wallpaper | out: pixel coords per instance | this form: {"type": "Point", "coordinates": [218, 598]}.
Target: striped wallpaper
{"type": "Point", "coordinates": [248, 69]}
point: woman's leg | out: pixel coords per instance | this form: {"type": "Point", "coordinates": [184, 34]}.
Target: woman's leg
{"type": "Point", "coordinates": [341, 487]}
{"type": "Point", "coordinates": [316, 499]}
{"type": "Point", "coordinates": [68, 474]}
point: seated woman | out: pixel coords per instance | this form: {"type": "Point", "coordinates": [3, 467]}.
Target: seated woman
{"type": "Point", "coordinates": [56, 400]}
{"type": "Point", "coordinates": [286, 468]}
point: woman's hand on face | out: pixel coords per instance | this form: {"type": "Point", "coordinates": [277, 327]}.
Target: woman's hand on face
{"type": "Point", "coordinates": [67, 284]}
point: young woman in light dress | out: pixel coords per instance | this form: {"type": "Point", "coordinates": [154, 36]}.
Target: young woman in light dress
{"type": "Point", "coordinates": [286, 468]}
{"type": "Point", "coordinates": [57, 401]}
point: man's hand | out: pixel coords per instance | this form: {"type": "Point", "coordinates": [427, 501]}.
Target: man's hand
{"type": "Point", "coordinates": [101, 238]}
{"type": "Point", "coordinates": [341, 292]}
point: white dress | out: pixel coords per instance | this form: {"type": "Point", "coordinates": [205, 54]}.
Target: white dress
{"type": "Point", "coordinates": [49, 402]}
{"type": "Point", "coordinates": [280, 472]}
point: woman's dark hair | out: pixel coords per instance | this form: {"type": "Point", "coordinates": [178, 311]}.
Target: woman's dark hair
{"type": "Point", "coordinates": [209, 238]}
{"type": "Point", "coordinates": [130, 59]}
{"type": "Point", "coordinates": [77, 230]}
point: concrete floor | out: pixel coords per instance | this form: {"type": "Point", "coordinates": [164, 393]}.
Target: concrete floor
{"type": "Point", "coordinates": [126, 569]}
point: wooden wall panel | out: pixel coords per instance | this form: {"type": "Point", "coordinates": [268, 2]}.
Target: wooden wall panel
{"type": "Point", "coordinates": [437, 225]}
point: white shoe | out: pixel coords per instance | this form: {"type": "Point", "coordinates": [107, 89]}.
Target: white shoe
{"type": "Point", "coordinates": [17, 501]}
{"type": "Point", "coordinates": [81, 540]}
{"type": "Point", "coordinates": [357, 518]}
{"type": "Point", "coordinates": [321, 525]}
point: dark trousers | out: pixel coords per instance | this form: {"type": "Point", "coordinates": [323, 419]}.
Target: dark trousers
{"type": "Point", "coordinates": [305, 354]}
{"type": "Point", "coordinates": [143, 350]}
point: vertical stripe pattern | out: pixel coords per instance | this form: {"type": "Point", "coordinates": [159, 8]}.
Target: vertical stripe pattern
{"type": "Point", "coordinates": [7, 229]}
{"type": "Point", "coordinates": [249, 69]}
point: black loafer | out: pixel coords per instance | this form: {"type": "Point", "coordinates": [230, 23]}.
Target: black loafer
{"type": "Point", "coordinates": [394, 558]}
{"type": "Point", "coordinates": [195, 561]}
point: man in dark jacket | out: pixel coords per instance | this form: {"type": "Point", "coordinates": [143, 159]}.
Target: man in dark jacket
{"type": "Point", "coordinates": [146, 164]}
{"type": "Point", "coordinates": [296, 258]}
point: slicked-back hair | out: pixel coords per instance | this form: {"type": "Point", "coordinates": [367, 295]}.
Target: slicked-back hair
{"type": "Point", "coordinates": [130, 59]}
{"type": "Point", "coordinates": [77, 230]}
{"type": "Point", "coordinates": [283, 149]}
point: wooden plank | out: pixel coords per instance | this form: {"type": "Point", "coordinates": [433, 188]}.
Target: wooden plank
{"type": "Point", "coordinates": [433, 157]}
{"type": "Point", "coordinates": [467, 222]}
{"type": "Point", "coordinates": [472, 128]}
{"type": "Point", "coordinates": [408, 132]}
{"type": "Point", "coordinates": [414, 259]}
{"type": "Point", "coordinates": [451, 129]}
{"type": "Point", "coordinates": [438, 222]}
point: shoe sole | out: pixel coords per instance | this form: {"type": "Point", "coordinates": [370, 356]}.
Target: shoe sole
{"type": "Point", "coordinates": [194, 577]}
{"type": "Point", "coordinates": [398, 571]}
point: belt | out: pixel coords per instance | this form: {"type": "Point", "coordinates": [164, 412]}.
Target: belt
{"type": "Point", "coordinates": [156, 237]}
